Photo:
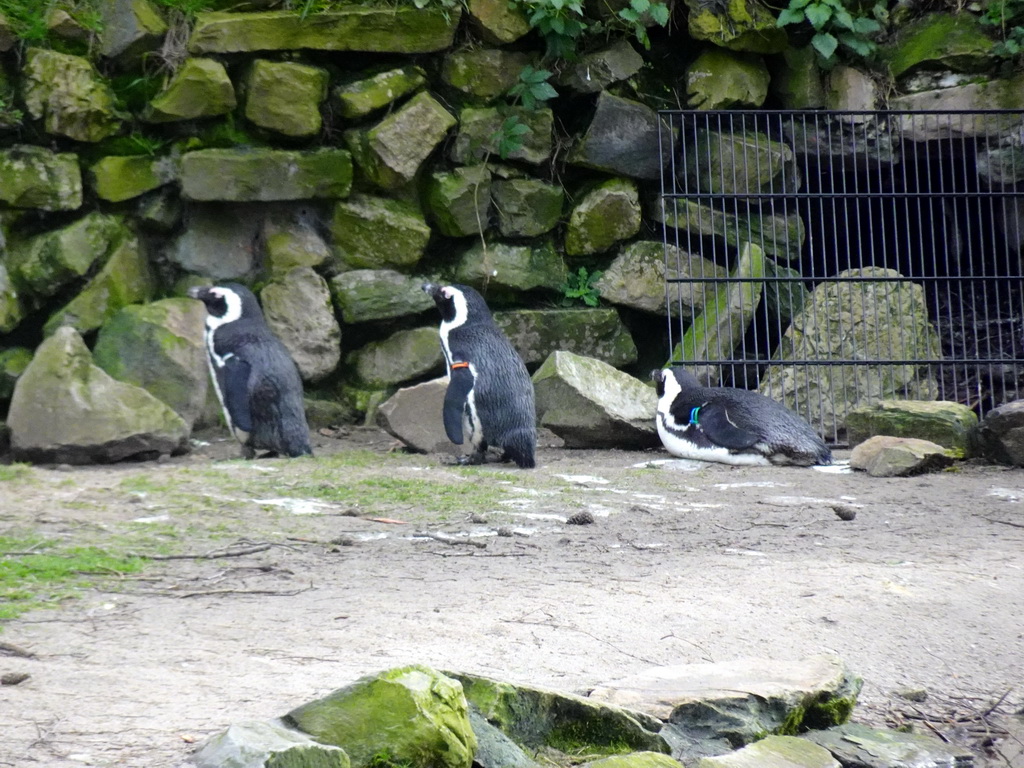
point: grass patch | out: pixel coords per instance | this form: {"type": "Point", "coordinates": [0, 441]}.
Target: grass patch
{"type": "Point", "coordinates": [36, 574]}
{"type": "Point", "coordinates": [12, 473]}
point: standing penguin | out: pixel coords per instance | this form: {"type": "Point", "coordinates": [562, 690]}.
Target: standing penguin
{"type": "Point", "coordinates": [256, 379]}
{"type": "Point", "coordinates": [490, 395]}
{"type": "Point", "coordinates": [731, 426]}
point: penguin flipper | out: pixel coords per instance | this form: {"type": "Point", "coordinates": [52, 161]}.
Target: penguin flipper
{"type": "Point", "coordinates": [715, 421]}
{"type": "Point", "coordinates": [460, 383]}
{"type": "Point", "coordinates": [235, 385]}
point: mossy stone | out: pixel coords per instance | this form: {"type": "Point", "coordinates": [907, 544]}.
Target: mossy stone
{"type": "Point", "coordinates": [362, 295]}
{"type": "Point", "coordinates": [506, 267]}
{"type": "Point", "coordinates": [796, 79]}
{"type": "Point", "coordinates": [945, 41]}
{"type": "Point", "coordinates": [378, 233]}
{"type": "Point", "coordinates": [722, 80]}
{"type": "Point", "coordinates": [739, 25]}
{"type": "Point", "coordinates": [527, 207]}
{"type": "Point", "coordinates": [479, 129]}
{"type": "Point", "coordinates": [12, 310]}
{"type": "Point", "coordinates": [484, 73]}
{"type": "Point", "coordinates": [360, 98]}
{"type": "Point", "coordinates": [265, 174]}
{"type": "Point", "coordinates": [948, 424]}
{"type": "Point", "coordinates": [285, 97]}
{"type": "Point", "coordinates": [403, 356]}
{"type": "Point", "coordinates": [598, 333]}
{"type": "Point", "coordinates": [34, 177]}
{"type": "Point", "coordinates": [200, 88]}
{"type": "Point", "coordinates": [69, 96]}
{"type": "Point", "coordinates": [459, 202]}
{"type": "Point", "coordinates": [123, 177]}
{"type": "Point", "coordinates": [131, 28]}
{"type": "Point", "coordinates": [605, 216]}
{"type": "Point", "coordinates": [13, 363]}
{"type": "Point", "coordinates": [498, 21]}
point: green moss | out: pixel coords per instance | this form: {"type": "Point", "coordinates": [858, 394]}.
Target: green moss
{"type": "Point", "coordinates": [588, 737]}
{"type": "Point", "coordinates": [11, 473]}
{"type": "Point", "coordinates": [793, 723]}
{"type": "Point", "coordinates": [829, 712]}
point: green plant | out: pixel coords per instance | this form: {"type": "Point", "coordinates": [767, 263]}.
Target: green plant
{"type": "Point", "coordinates": [834, 25]}
{"type": "Point", "coordinates": [1008, 16]}
{"type": "Point", "coordinates": [634, 15]}
{"type": "Point", "coordinates": [560, 22]}
{"type": "Point", "coordinates": [579, 286]}
{"type": "Point", "coordinates": [531, 92]}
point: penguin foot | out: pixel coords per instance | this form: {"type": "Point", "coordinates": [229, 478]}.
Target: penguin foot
{"type": "Point", "coordinates": [248, 452]}
{"type": "Point", "coordinates": [471, 459]}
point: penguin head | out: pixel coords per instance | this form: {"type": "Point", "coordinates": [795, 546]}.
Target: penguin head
{"type": "Point", "coordinates": [457, 303]}
{"type": "Point", "coordinates": [226, 303]}
{"type": "Point", "coordinates": [672, 381]}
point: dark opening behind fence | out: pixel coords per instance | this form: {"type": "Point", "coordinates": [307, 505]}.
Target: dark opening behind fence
{"type": "Point", "coordinates": [888, 258]}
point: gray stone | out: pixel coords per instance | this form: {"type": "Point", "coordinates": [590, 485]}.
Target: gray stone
{"type": "Point", "coordinates": [413, 415]}
{"type": "Point", "coordinates": [266, 745]}
{"type": "Point", "coordinates": [498, 22]}
{"type": "Point", "coordinates": [596, 333]}
{"type": "Point", "coordinates": [34, 177]}
{"type": "Point", "coordinates": [875, 317]}
{"type": "Point", "coordinates": [713, 708]}
{"type": "Point", "coordinates": [297, 307]}
{"type": "Point", "coordinates": [378, 294]}
{"type": "Point", "coordinates": [131, 29]}
{"type": "Point", "coordinates": [200, 88]}
{"type": "Point", "coordinates": [890, 456]}
{"type": "Point", "coordinates": [860, 745]}
{"type": "Point", "coordinates": [13, 363]}
{"type": "Point", "coordinates": [484, 73]}
{"type": "Point", "coordinates": [597, 70]}
{"type": "Point", "coordinates": [285, 97]}
{"type": "Point", "coordinates": [604, 216]}
{"type": "Point", "coordinates": [159, 347]}
{"type": "Point", "coordinates": [391, 152]}
{"type": "Point", "coordinates": [538, 718]}
{"type": "Point", "coordinates": [622, 139]}
{"type": "Point", "coordinates": [504, 267]}
{"type": "Point", "coordinates": [1000, 435]}
{"type": "Point", "coordinates": [851, 89]}
{"type": "Point", "coordinates": [1001, 166]}
{"type": "Point", "coordinates": [62, 25]}
{"type": "Point", "coordinates": [423, 712]}
{"type": "Point", "coordinates": [403, 356]}
{"type": "Point", "coordinates": [292, 240]}
{"type": "Point", "coordinates": [722, 80]}
{"type": "Point", "coordinates": [479, 129]}
{"type": "Point", "coordinates": [378, 233]}
{"type": "Point", "coordinates": [737, 164]}
{"type": "Point", "coordinates": [590, 404]}
{"type": "Point", "coordinates": [324, 414]}
{"type": "Point", "coordinates": [527, 207]}
{"type": "Point", "coordinates": [949, 424]}
{"type": "Point", "coordinates": [459, 202]}
{"type": "Point", "coordinates": [777, 752]}
{"type": "Point", "coordinates": [493, 748]}
{"type": "Point", "coordinates": [68, 95]}
{"type": "Point", "coordinates": [361, 97]}
{"type": "Point", "coordinates": [403, 29]}
{"type": "Point", "coordinates": [1007, 93]}
{"type": "Point", "coordinates": [747, 25]}
{"type": "Point", "coordinates": [265, 174]}
{"type": "Point", "coordinates": [217, 240]}
{"type": "Point", "coordinates": [67, 410]}
{"type": "Point", "coordinates": [159, 211]}
{"type": "Point", "coordinates": [864, 145]}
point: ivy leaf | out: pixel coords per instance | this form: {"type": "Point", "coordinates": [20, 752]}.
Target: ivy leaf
{"type": "Point", "coordinates": [842, 17]}
{"type": "Point", "coordinates": [866, 26]}
{"type": "Point", "coordinates": [825, 44]}
{"type": "Point", "coordinates": [818, 15]}
{"type": "Point", "coordinates": [858, 45]}
{"type": "Point", "coordinates": [640, 6]}
{"type": "Point", "coordinates": [789, 16]}
{"type": "Point", "coordinates": [659, 12]}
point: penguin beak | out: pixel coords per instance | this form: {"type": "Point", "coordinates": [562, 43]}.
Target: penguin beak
{"type": "Point", "coordinates": [656, 374]}
{"type": "Point", "coordinates": [430, 288]}
{"type": "Point", "coordinates": [196, 292]}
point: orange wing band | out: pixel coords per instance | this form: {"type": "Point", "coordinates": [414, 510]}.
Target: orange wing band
{"type": "Point", "coordinates": [460, 365]}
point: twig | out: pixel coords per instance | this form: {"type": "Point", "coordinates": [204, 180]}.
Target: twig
{"type": "Point", "coordinates": [215, 592]}
{"type": "Point", "coordinates": [208, 555]}
{"type": "Point", "coordinates": [13, 650]}
{"type": "Point", "coordinates": [995, 706]}
{"type": "Point", "coordinates": [444, 539]}
{"type": "Point", "coordinates": [1002, 522]}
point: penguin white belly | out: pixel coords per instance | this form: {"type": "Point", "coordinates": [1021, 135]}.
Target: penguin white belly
{"type": "Point", "coordinates": [471, 425]}
{"type": "Point", "coordinates": [677, 444]}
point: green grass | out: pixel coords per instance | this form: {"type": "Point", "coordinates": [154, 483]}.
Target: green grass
{"type": "Point", "coordinates": [11, 473]}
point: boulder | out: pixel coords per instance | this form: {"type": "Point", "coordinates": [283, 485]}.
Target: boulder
{"type": "Point", "coordinates": [596, 333]}
{"type": "Point", "coordinates": [131, 29]}
{"type": "Point", "coordinates": [126, 278]}
{"type": "Point", "coordinates": [730, 163]}
{"type": "Point", "coordinates": [538, 718]}
{"type": "Point", "coordinates": [360, 98]}
{"type": "Point", "coordinates": [34, 177]}
{"type": "Point", "coordinates": [590, 404]}
{"type": "Point", "coordinates": [67, 410]}
{"type": "Point", "coordinates": [875, 317]}
{"type": "Point", "coordinates": [862, 745]}
{"type": "Point", "coordinates": [842, 143]}
{"type": "Point", "coordinates": [949, 424]}
{"type": "Point", "coordinates": [293, 240]}
{"type": "Point", "coordinates": [604, 216]}
{"type": "Point", "coordinates": [505, 268]}
{"type": "Point", "coordinates": [497, 21]}
{"type": "Point", "coordinates": [217, 240]}
{"type": "Point", "coordinates": [622, 138]}
{"type": "Point", "coordinates": [423, 713]}
{"type": "Point", "coordinates": [362, 295]}
{"type": "Point", "coordinates": [378, 233]}
{"type": "Point", "coordinates": [526, 207]}
{"type": "Point", "coordinates": [784, 293]}
{"type": "Point", "coordinates": [779, 751]}
{"type": "Point", "coordinates": [1000, 435]}
{"type": "Point", "coordinates": [159, 347]}
{"type": "Point", "coordinates": [888, 456]}
{"type": "Point", "coordinates": [13, 363]}
{"type": "Point", "coordinates": [297, 307]}
{"type": "Point", "coordinates": [635, 760]}
{"type": "Point", "coordinates": [596, 70]}
{"type": "Point", "coordinates": [796, 79]}
{"type": "Point", "coordinates": [63, 26]}
{"type": "Point", "coordinates": [944, 41]}
{"type": "Point", "coordinates": [284, 97]}
{"type": "Point", "coordinates": [403, 356]}
{"type": "Point", "coordinates": [480, 130]}
{"type": "Point", "coordinates": [200, 88]}
{"type": "Point", "coordinates": [413, 415]}
{"type": "Point", "coordinates": [636, 279]}
{"type": "Point", "coordinates": [722, 80]}
{"type": "Point", "coordinates": [265, 174]}
{"type": "Point", "coordinates": [714, 708]}
{"type": "Point", "coordinates": [403, 29]}
{"type": "Point", "coordinates": [68, 95]}
{"type": "Point", "coordinates": [741, 25]}
{"type": "Point", "coordinates": [391, 152]}
{"type": "Point", "coordinates": [484, 73]}
{"type": "Point", "coordinates": [252, 744]}
{"type": "Point", "coordinates": [459, 202]}
{"type": "Point", "coordinates": [1004, 94]}
{"type": "Point", "coordinates": [119, 178]}
{"type": "Point", "coordinates": [12, 309]}
{"type": "Point", "coordinates": [496, 750]}
{"type": "Point", "coordinates": [851, 89]}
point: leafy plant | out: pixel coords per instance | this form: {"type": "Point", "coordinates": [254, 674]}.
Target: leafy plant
{"type": "Point", "coordinates": [579, 286]}
{"type": "Point", "coordinates": [1008, 16]}
{"type": "Point", "coordinates": [560, 22]}
{"type": "Point", "coordinates": [634, 13]}
{"type": "Point", "coordinates": [531, 92]}
{"type": "Point", "coordinates": [834, 25]}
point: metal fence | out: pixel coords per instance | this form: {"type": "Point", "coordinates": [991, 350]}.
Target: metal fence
{"type": "Point", "coordinates": [834, 259]}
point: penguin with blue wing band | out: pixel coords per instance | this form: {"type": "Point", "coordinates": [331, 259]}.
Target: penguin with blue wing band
{"type": "Point", "coordinates": [256, 380]}
{"type": "Point", "coordinates": [731, 426]}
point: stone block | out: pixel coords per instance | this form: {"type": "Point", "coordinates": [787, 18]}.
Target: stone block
{"type": "Point", "coordinates": [378, 233]}
{"type": "Point", "coordinates": [200, 88]}
{"type": "Point", "coordinates": [265, 174]}
{"type": "Point", "coordinates": [285, 97]}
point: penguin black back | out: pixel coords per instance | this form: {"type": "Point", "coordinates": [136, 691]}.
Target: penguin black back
{"type": "Point", "coordinates": [256, 379]}
{"type": "Point", "coordinates": [490, 394]}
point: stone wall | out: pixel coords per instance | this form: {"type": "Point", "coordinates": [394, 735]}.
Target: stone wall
{"type": "Point", "coordinates": [335, 161]}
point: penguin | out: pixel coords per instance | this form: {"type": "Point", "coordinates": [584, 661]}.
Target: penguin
{"type": "Point", "coordinates": [489, 400]}
{"type": "Point", "coordinates": [731, 426]}
{"type": "Point", "coordinates": [256, 380]}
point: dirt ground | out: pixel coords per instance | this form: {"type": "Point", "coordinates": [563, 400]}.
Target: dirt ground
{"type": "Point", "coordinates": [682, 563]}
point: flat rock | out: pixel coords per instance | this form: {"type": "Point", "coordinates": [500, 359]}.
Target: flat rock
{"type": "Point", "coordinates": [888, 456]}
{"type": "Point", "coordinates": [265, 174]}
{"type": "Point", "coordinates": [774, 752]}
{"type": "Point", "coordinates": [598, 333]}
{"type": "Point", "coordinates": [413, 415]}
{"type": "Point", "coordinates": [622, 138]}
{"type": "Point", "coordinates": [403, 356]}
{"type": "Point", "coordinates": [364, 96]}
{"type": "Point", "coordinates": [371, 232]}
{"type": "Point", "coordinates": [378, 294]}
{"type": "Point", "coordinates": [949, 424]}
{"type": "Point", "coordinates": [217, 240]}
{"type": "Point", "coordinates": [864, 747]}
{"type": "Point", "coordinates": [200, 88]}
{"type": "Point", "coordinates": [506, 267]}
{"type": "Point", "coordinates": [285, 97]}
{"type": "Point", "coordinates": [254, 743]}
{"type": "Point", "coordinates": [35, 177]}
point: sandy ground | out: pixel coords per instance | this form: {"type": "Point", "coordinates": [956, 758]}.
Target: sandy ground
{"type": "Point", "coordinates": [682, 563]}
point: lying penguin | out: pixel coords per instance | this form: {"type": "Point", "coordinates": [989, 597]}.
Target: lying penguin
{"type": "Point", "coordinates": [489, 399]}
{"type": "Point", "coordinates": [256, 380]}
{"type": "Point", "coordinates": [731, 426]}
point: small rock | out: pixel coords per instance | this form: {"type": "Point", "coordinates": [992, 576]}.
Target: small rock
{"type": "Point", "coordinates": [506, 531]}
{"type": "Point", "coordinates": [844, 512]}
{"type": "Point", "coordinates": [583, 517]}
{"type": "Point", "coordinates": [913, 694]}
{"type": "Point", "coordinates": [14, 678]}
{"type": "Point", "coordinates": [477, 519]}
